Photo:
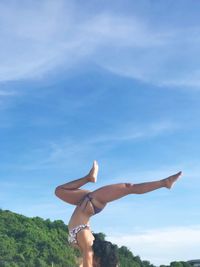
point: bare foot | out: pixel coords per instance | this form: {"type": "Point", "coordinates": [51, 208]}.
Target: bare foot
{"type": "Point", "coordinates": [169, 182]}
{"type": "Point", "coordinates": [92, 175]}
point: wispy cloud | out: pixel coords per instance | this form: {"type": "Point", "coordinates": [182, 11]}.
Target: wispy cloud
{"type": "Point", "coordinates": [128, 132]}
{"type": "Point", "coordinates": [65, 35]}
{"type": "Point", "coordinates": [57, 153]}
{"type": "Point", "coordinates": [30, 46]}
{"type": "Point", "coordinates": [190, 79]}
{"type": "Point", "coordinates": [161, 246]}
{"type": "Point", "coordinates": [4, 93]}
{"type": "Point", "coordinates": [44, 209]}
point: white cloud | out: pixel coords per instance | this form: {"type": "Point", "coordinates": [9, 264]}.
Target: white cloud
{"type": "Point", "coordinates": [63, 34]}
{"type": "Point", "coordinates": [60, 152]}
{"type": "Point", "coordinates": [127, 132]}
{"type": "Point", "coordinates": [45, 210]}
{"type": "Point", "coordinates": [121, 31]}
{"type": "Point", "coordinates": [164, 245]}
{"type": "Point", "coordinates": [31, 40]}
{"type": "Point", "coordinates": [55, 153]}
{"type": "Point", "coordinates": [5, 96]}
{"type": "Point", "coordinates": [190, 79]}
{"type": "Point", "coordinates": [4, 93]}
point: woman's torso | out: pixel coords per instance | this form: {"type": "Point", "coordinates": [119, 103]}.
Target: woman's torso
{"type": "Point", "coordinates": [81, 214]}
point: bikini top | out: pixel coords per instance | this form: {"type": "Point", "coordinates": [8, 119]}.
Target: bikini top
{"type": "Point", "coordinates": [89, 199]}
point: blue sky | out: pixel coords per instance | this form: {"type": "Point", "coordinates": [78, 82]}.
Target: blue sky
{"type": "Point", "coordinates": [115, 81]}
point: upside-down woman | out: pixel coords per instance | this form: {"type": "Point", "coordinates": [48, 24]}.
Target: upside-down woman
{"type": "Point", "coordinates": [89, 203]}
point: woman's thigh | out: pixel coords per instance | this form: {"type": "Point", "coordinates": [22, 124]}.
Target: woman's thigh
{"type": "Point", "coordinates": [71, 196]}
{"type": "Point", "coordinates": [112, 192]}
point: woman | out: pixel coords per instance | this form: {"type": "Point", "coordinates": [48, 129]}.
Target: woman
{"type": "Point", "coordinates": [90, 203]}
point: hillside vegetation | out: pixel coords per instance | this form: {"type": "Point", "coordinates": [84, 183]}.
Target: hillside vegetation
{"type": "Point", "coordinates": [35, 242]}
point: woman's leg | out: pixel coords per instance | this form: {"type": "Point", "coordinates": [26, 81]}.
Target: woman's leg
{"type": "Point", "coordinates": [71, 193]}
{"type": "Point", "coordinates": [112, 192]}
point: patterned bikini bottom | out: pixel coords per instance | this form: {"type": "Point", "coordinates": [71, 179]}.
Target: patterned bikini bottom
{"type": "Point", "coordinates": [72, 238]}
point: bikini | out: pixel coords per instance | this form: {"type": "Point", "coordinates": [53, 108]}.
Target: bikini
{"type": "Point", "coordinates": [72, 238]}
{"type": "Point", "coordinates": [89, 199]}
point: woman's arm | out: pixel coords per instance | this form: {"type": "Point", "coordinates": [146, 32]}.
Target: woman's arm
{"type": "Point", "coordinates": [85, 241]}
{"type": "Point", "coordinates": [88, 257]}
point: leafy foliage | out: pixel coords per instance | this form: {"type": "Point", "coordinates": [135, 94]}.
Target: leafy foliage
{"type": "Point", "coordinates": [35, 242]}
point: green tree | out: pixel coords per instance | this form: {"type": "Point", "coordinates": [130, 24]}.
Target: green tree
{"type": "Point", "coordinates": [176, 264]}
{"type": "Point", "coordinates": [35, 242]}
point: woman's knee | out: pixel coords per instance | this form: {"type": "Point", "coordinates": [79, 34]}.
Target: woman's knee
{"type": "Point", "coordinates": [64, 195]}
{"type": "Point", "coordinates": [57, 191]}
{"type": "Point", "coordinates": [129, 186]}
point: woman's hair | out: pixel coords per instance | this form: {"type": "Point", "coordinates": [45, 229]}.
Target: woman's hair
{"type": "Point", "coordinates": [105, 251]}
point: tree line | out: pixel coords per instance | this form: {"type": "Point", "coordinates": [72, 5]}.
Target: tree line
{"type": "Point", "coordinates": [36, 242]}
